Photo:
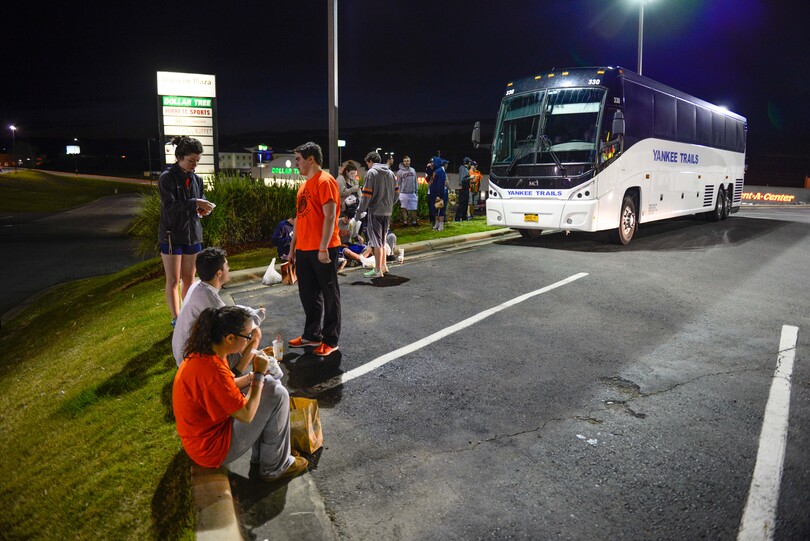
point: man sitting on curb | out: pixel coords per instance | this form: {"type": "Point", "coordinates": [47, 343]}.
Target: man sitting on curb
{"type": "Point", "coordinates": [282, 237]}
{"type": "Point", "coordinates": [212, 267]}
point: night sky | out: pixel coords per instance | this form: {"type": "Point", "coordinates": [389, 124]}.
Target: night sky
{"type": "Point", "coordinates": [88, 70]}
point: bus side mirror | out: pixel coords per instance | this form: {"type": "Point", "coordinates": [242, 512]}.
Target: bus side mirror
{"type": "Point", "coordinates": [476, 134]}
{"type": "Point", "coordinates": [618, 123]}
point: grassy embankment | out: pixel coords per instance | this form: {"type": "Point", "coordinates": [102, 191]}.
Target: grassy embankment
{"type": "Point", "coordinates": [34, 191]}
{"type": "Point", "coordinates": [88, 448]}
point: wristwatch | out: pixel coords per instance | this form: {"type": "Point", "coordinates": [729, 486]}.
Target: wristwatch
{"type": "Point", "coordinates": [258, 376]}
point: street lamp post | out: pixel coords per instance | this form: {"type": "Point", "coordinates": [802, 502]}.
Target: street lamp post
{"type": "Point", "coordinates": [13, 129]}
{"type": "Point", "coordinates": [149, 157]}
{"type": "Point", "coordinates": [76, 158]}
{"type": "Point", "coordinates": [640, 31]}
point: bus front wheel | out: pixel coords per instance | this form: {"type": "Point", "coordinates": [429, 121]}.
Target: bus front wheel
{"type": "Point", "coordinates": [530, 233]}
{"type": "Point", "coordinates": [628, 222]}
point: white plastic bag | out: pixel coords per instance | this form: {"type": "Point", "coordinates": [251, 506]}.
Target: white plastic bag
{"type": "Point", "coordinates": [271, 275]}
{"type": "Point", "coordinates": [354, 228]}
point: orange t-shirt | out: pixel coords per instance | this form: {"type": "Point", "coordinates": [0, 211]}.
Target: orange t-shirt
{"type": "Point", "coordinates": [203, 397]}
{"type": "Point", "coordinates": [475, 180]}
{"type": "Point", "coordinates": [312, 195]}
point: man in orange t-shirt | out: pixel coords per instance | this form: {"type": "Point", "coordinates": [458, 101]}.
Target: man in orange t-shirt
{"type": "Point", "coordinates": [314, 252]}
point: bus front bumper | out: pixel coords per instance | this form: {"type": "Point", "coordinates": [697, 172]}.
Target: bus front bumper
{"type": "Point", "coordinates": [542, 214]}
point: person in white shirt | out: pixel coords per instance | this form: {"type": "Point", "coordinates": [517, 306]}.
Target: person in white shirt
{"type": "Point", "coordinates": [212, 267]}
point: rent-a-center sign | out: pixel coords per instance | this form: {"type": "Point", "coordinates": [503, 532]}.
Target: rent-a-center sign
{"type": "Point", "coordinates": [187, 106]}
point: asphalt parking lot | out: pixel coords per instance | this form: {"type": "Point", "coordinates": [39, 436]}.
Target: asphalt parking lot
{"type": "Point", "coordinates": [559, 388]}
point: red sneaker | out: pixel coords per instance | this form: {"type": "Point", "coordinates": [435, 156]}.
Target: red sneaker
{"type": "Point", "coordinates": [324, 350]}
{"type": "Point", "coordinates": [302, 342]}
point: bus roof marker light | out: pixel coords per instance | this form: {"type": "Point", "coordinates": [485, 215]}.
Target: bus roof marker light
{"type": "Point", "coordinates": [551, 75]}
{"type": "Point", "coordinates": [509, 84]}
{"type": "Point", "coordinates": [538, 77]}
{"type": "Point", "coordinates": [600, 72]}
{"type": "Point", "coordinates": [565, 73]}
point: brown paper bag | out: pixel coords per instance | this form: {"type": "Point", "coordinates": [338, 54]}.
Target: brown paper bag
{"type": "Point", "coordinates": [306, 435]}
{"type": "Point", "coordinates": [288, 276]}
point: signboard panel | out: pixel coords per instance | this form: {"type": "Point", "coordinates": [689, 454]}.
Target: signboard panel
{"type": "Point", "coordinates": [186, 84]}
{"type": "Point", "coordinates": [187, 106]}
{"type": "Point", "coordinates": [187, 111]}
{"type": "Point", "coordinates": [191, 131]}
{"type": "Point", "coordinates": [187, 121]}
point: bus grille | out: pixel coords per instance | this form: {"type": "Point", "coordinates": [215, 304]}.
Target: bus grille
{"type": "Point", "coordinates": [708, 196]}
{"type": "Point", "coordinates": [738, 189]}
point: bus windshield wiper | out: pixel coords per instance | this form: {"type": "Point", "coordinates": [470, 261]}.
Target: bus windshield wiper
{"type": "Point", "coordinates": [545, 144]}
{"type": "Point", "coordinates": [521, 152]}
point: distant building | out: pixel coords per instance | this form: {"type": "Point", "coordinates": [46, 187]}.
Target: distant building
{"type": "Point", "coordinates": [235, 158]}
{"type": "Point", "coordinates": [280, 168]}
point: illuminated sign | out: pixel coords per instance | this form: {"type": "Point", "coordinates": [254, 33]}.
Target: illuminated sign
{"type": "Point", "coordinates": [170, 83]}
{"type": "Point", "coordinates": [186, 101]}
{"type": "Point", "coordinates": [187, 106]}
{"type": "Point", "coordinates": [284, 171]}
{"type": "Point", "coordinates": [72, 149]}
{"type": "Point", "coordinates": [768, 196]}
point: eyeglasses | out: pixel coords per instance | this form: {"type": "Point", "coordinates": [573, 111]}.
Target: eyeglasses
{"type": "Point", "coordinates": [249, 337]}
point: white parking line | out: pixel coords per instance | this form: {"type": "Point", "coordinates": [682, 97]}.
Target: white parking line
{"type": "Point", "coordinates": [410, 348]}
{"type": "Point", "coordinates": [758, 521]}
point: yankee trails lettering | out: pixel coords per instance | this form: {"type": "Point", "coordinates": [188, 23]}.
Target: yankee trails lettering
{"type": "Point", "coordinates": [540, 193]}
{"type": "Point", "coordinates": [669, 156]}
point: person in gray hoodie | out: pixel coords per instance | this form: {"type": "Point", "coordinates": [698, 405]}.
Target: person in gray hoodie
{"type": "Point", "coordinates": [379, 195]}
{"type": "Point", "coordinates": [408, 191]}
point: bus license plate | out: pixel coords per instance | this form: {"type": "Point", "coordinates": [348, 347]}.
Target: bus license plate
{"type": "Point", "coordinates": [530, 218]}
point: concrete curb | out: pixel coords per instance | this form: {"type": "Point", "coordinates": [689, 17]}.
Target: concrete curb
{"type": "Point", "coordinates": [213, 505]}
{"type": "Point", "coordinates": [257, 273]}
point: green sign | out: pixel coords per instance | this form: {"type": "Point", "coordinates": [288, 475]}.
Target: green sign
{"type": "Point", "coordinates": [183, 101]}
{"type": "Point", "coordinates": [284, 170]}
{"type": "Point", "coordinates": [262, 147]}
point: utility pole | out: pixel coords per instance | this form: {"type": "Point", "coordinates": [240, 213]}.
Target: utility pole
{"type": "Point", "coordinates": [333, 88]}
{"type": "Point", "coordinates": [640, 32]}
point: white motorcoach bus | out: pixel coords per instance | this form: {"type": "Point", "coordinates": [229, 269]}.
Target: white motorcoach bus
{"type": "Point", "coordinates": [595, 149]}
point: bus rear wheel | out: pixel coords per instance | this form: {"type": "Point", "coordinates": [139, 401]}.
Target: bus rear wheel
{"type": "Point", "coordinates": [726, 204]}
{"type": "Point", "coordinates": [719, 207]}
{"type": "Point", "coordinates": [628, 222]}
{"type": "Point", "coordinates": [530, 233]}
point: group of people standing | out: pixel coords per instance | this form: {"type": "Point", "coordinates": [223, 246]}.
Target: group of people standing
{"type": "Point", "coordinates": [227, 395]}
{"type": "Point", "coordinates": [438, 194]}
{"type": "Point", "coordinates": [222, 411]}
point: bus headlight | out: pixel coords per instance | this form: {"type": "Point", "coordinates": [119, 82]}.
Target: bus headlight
{"type": "Point", "coordinates": [583, 192]}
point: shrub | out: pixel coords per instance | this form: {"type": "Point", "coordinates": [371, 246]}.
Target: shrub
{"type": "Point", "coordinates": [247, 212]}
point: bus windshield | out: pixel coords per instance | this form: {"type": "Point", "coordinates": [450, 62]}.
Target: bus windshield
{"type": "Point", "coordinates": [567, 118]}
{"type": "Point", "coordinates": [518, 124]}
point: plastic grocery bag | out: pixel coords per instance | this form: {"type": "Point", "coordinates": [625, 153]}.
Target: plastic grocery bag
{"type": "Point", "coordinates": [271, 275]}
{"type": "Point", "coordinates": [306, 435]}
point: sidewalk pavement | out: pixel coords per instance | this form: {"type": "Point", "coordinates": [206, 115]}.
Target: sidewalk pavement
{"type": "Point", "coordinates": [303, 511]}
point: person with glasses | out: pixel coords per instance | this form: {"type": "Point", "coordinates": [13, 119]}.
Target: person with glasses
{"type": "Point", "coordinates": [216, 423]}
{"type": "Point", "coordinates": [182, 205]}
{"type": "Point", "coordinates": [212, 267]}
